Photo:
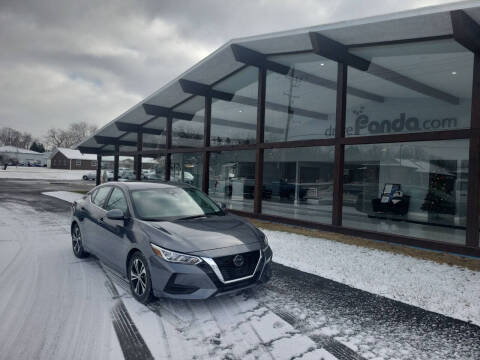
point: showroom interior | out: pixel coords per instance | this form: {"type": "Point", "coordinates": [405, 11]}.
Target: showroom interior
{"type": "Point", "coordinates": [369, 128]}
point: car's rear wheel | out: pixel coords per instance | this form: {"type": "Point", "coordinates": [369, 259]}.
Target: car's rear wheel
{"type": "Point", "coordinates": [139, 277]}
{"type": "Point", "coordinates": [77, 244]}
{"type": "Point", "coordinates": [85, 177]}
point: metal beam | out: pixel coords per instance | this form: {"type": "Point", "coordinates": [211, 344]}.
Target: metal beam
{"type": "Point", "coordinates": [409, 83]}
{"type": "Point", "coordinates": [98, 172]}
{"type": "Point", "coordinates": [245, 100]}
{"type": "Point", "coordinates": [106, 140]}
{"type": "Point", "coordinates": [466, 31]}
{"type": "Point", "coordinates": [116, 162]}
{"type": "Point", "coordinates": [196, 88]}
{"type": "Point", "coordinates": [156, 110]}
{"type": "Point", "coordinates": [255, 58]}
{"type": "Point", "coordinates": [339, 147]}
{"type": "Point", "coordinates": [249, 56]}
{"type": "Point", "coordinates": [336, 51]}
{"type": "Point", "coordinates": [133, 128]}
{"type": "Point", "coordinates": [259, 156]}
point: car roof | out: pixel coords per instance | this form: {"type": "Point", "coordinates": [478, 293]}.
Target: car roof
{"type": "Point", "coordinates": [136, 185]}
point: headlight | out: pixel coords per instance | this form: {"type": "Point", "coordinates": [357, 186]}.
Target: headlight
{"type": "Point", "coordinates": [172, 256]}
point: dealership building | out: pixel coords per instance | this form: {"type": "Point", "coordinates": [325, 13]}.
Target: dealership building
{"type": "Point", "coordinates": [368, 127]}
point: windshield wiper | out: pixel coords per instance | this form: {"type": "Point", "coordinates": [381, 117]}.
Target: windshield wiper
{"type": "Point", "coordinates": [191, 217]}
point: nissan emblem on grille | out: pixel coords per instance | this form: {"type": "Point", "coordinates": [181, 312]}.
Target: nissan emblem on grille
{"type": "Point", "coordinates": [238, 260]}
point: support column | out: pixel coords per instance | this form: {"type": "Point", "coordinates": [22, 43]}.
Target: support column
{"type": "Point", "coordinates": [168, 156]}
{"type": "Point", "coordinates": [473, 206]}
{"type": "Point", "coordinates": [339, 147]}
{"type": "Point", "coordinates": [116, 161]}
{"type": "Point", "coordinates": [262, 85]}
{"type": "Point", "coordinates": [98, 175]}
{"type": "Point", "coordinates": [206, 143]}
{"type": "Point", "coordinates": [138, 156]}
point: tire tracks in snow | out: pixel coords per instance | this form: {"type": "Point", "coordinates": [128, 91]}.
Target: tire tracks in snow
{"type": "Point", "coordinates": [131, 341]}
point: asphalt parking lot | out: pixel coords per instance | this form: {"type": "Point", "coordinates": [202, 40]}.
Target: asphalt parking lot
{"type": "Point", "coordinates": [320, 313]}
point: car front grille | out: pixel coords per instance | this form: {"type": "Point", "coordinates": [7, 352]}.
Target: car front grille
{"type": "Point", "coordinates": [230, 271]}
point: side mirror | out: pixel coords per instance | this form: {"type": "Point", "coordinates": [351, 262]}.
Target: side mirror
{"type": "Point", "coordinates": [115, 214]}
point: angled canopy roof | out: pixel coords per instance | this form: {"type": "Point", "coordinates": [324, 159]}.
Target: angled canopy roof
{"type": "Point", "coordinates": [415, 24]}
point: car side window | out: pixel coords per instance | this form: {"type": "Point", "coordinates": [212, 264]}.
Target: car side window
{"type": "Point", "coordinates": [101, 195]}
{"type": "Point", "coordinates": [117, 201]}
{"type": "Point", "coordinates": [92, 195]}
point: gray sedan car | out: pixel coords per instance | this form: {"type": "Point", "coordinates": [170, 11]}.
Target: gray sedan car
{"type": "Point", "coordinates": [169, 240]}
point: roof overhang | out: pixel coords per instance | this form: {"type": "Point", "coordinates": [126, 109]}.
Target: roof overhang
{"type": "Point", "coordinates": [423, 23]}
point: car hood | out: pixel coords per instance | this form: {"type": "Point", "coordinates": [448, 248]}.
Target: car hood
{"type": "Point", "coordinates": [206, 233]}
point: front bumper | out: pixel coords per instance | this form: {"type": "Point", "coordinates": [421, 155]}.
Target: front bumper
{"type": "Point", "coordinates": [180, 281]}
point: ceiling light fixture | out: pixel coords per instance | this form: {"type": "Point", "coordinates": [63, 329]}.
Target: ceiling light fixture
{"type": "Point", "coordinates": [454, 73]}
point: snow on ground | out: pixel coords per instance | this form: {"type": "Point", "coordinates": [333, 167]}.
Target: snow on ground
{"type": "Point", "coordinates": [448, 290]}
{"type": "Point", "coordinates": [64, 195]}
{"type": "Point", "coordinates": [41, 173]}
{"type": "Point", "coordinates": [55, 306]}
{"type": "Point", "coordinates": [52, 306]}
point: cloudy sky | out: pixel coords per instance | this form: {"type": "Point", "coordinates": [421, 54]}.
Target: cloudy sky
{"type": "Point", "coordinates": [68, 60]}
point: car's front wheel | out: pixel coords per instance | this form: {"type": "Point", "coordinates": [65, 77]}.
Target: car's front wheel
{"type": "Point", "coordinates": [77, 244]}
{"type": "Point", "coordinates": [139, 277]}
{"type": "Point", "coordinates": [85, 177]}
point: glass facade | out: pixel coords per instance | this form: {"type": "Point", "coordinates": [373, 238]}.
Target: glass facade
{"type": "Point", "coordinates": [187, 168]}
{"type": "Point", "coordinates": [298, 183]}
{"type": "Point", "coordinates": [153, 168]}
{"type": "Point", "coordinates": [234, 121]}
{"type": "Point", "coordinates": [189, 133]}
{"type": "Point", "coordinates": [416, 189]}
{"type": "Point", "coordinates": [301, 104]}
{"type": "Point", "coordinates": [158, 140]}
{"type": "Point", "coordinates": [232, 179]}
{"type": "Point", "coordinates": [410, 183]}
{"type": "Point", "coordinates": [419, 87]}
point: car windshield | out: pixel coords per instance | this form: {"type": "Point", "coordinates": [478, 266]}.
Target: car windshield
{"type": "Point", "coordinates": [173, 203]}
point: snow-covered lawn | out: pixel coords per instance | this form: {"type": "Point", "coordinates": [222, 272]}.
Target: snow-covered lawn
{"type": "Point", "coordinates": [34, 173]}
{"type": "Point", "coordinates": [448, 290]}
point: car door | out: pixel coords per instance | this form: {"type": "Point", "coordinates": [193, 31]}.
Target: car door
{"type": "Point", "coordinates": [96, 230]}
{"type": "Point", "coordinates": [115, 244]}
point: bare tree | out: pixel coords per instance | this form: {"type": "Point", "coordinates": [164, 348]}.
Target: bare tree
{"type": "Point", "coordinates": [12, 137]}
{"type": "Point", "coordinates": [75, 133]}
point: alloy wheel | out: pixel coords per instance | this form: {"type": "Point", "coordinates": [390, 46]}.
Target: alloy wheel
{"type": "Point", "coordinates": [76, 240]}
{"type": "Point", "coordinates": [138, 277]}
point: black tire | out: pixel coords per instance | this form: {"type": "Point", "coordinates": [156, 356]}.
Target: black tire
{"type": "Point", "coordinates": [85, 177]}
{"type": "Point", "coordinates": [139, 278]}
{"type": "Point", "coordinates": [77, 245]}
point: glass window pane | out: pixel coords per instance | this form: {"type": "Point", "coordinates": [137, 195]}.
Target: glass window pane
{"type": "Point", "coordinates": [187, 168]}
{"type": "Point", "coordinates": [235, 121]}
{"type": "Point", "coordinates": [298, 183]}
{"type": "Point", "coordinates": [126, 169]}
{"type": "Point", "coordinates": [232, 178]}
{"type": "Point", "coordinates": [157, 140]}
{"type": "Point", "coordinates": [189, 133]}
{"type": "Point", "coordinates": [101, 195]}
{"type": "Point", "coordinates": [117, 201]}
{"type": "Point", "coordinates": [417, 87]}
{"type": "Point", "coordinates": [301, 104]}
{"type": "Point", "coordinates": [153, 169]}
{"type": "Point", "coordinates": [414, 189]}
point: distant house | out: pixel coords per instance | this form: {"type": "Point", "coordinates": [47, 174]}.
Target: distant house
{"type": "Point", "coordinates": [63, 158]}
{"type": "Point", "coordinates": [15, 156]}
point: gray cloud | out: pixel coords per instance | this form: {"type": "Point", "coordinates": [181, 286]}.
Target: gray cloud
{"type": "Point", "coordinates": [65, 61]}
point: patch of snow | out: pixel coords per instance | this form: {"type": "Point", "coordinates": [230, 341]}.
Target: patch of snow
{"type": "Point", "coordinates": [448, 290]}
{"type": "Point", "coordinates": [64, 195]}
{"type": "Point", "coordinates": [39, 173]}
